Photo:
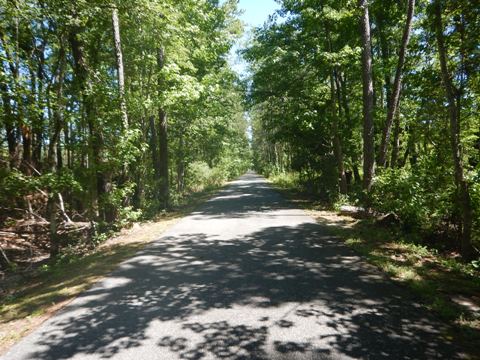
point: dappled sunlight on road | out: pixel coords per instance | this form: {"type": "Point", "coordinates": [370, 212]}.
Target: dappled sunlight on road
{"type": "Point", "coordinates": [241, 280]}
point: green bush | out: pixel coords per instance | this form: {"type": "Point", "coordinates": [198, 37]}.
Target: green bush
{"type": "Point", "coordinates": [200, 176]}
{"type": "Point", "coordinates": [475, 195]}
{"type": "Point", "coordinates": [422, 196]}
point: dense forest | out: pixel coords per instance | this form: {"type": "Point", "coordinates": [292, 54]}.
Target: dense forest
{"type": "Point", "coordinates": [113, 111]}
{"type": "Point", "coordinates": [375, 103]}
{"type": "Point", "coordinates": [355, 125]}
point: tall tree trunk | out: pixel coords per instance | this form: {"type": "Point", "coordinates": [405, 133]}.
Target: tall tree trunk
{"type": "Point", "coordinates": [39, 118]}
{"type": "Point", "coordinates": [154, 147]}
{"type": "Point", "coordinates": [397, 85]}
{"type": "Point", "coordinates": [110, 213]}
{"type": "Point", "coordinates": [163, 160]}
{"type": "Point", "coordinates": [335, 101]}
{"type": "Point", "coordinates": [9, 123]}
{"type": "Point", "coordinates": [367, 77]}
{"type": "Point", "coordinates": [162, 139]}
{"type": "Point", "coordinates": [454, 108]}
{"type": "Point", "coordinates": [385, 53]}
{"type": "Point", "coordinates": [120, 72]}
{"type": "Point", "coordinates": [337, 143]}
{"type": "Point", "coordinates": [83, 78]}
{"type": "Point", "coordinates": [396, 142]}
{"type": "Point", "coordinates": [53, 148]}
{"type": "Point", "coordinates": [181, 165]}
{"type": "Point", "coordinates": [27, 149]}
{"type": "Point", "coordinates": [11, 103]}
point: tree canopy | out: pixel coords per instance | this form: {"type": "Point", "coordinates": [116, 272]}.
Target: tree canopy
{"type": "Point", "coordinates": [111, 111]}
{"type": "Point", "coordinates": [400, 135]}
{"type": "Point", "coordinates": [114, 110]}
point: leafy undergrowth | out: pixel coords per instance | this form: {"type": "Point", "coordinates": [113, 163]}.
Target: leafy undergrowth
{"type": "Point", "coordinates": [440, 281]}
{"type": "Point", "coordinates": [29, 299]}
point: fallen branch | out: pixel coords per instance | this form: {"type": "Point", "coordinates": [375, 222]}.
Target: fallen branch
{"type": "Point", "coordinates": [61, 206]}
{"type": "Point", "coordinates": [7, 261]}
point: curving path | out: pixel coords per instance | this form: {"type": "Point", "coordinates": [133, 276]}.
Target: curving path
{"type": "Point", "coordinates": [245, 277]}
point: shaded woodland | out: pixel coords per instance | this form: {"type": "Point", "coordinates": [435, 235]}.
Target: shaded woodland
{"type": "Point", "coordinates": [111, 112]}
{"type": "Point", "coordinates": [377, 106]}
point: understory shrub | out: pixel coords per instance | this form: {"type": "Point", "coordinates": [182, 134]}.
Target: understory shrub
{"type": "Point", "coordinates": [199, 176]}
{"type": "Point", "coordinates": [422, 197]}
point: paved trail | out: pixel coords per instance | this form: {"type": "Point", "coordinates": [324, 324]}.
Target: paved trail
{"type": "Point", "coordinates": [245, 277]}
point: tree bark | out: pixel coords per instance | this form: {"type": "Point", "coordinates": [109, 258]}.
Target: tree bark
{"type": "Point", "coordinates": [367, 78]}
{"type": "Point", "coordinates": [335, 101]}
{"type": "Point", "coordinates": [337, 143]}
{"type": "Point", "coordinates": [154, 147]}
{"type": "Point", "coordinates": [82, 77]}
{"type": "Point", "coordinates": [9, 124]}
{"type": "Point", "coordinates": [163, 144]}
{"type": "Point", "coordinates": [454, 109]}
{"type": "Point", "coordinates": [53, 151]}
{"type": "Point", "coordinates": [120, 71]}
{"type": "Point", "coordinates": [396, 142]}
{"type": "Point", "coordinates": [162, 139]}
{"type": "Point", "coordinates": [181, 165]}
{"type": "Point", "coordinates": [397, 85]}
{"type": "Point", "coordinates": [385, 53]}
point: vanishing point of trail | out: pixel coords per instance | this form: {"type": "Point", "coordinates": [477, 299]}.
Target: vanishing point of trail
{"type": "Point", "coordinates": [246, 276]}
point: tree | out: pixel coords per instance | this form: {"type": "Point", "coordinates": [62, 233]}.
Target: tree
{"type": "Point", "coordinates": [454, 110]}
{"type": "Point", "coordinates": [84, 98]}
{"type": "Point", "coordinates": [338, 84]}
{"type": "Point", "coordinates": [394, 98]}
{"type": "Point", "coordinates": [367, 78]}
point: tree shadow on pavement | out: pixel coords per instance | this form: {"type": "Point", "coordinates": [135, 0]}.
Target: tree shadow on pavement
{"type": "Point", "coordinates": [358, 313]}
{"type": "Point", "coordinates": [282, 292]}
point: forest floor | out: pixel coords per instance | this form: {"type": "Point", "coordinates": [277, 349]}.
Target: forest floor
{"type": "Point", "coordinates": [30, 295]}
{"type": "Point", "coordinates": [440, 281]}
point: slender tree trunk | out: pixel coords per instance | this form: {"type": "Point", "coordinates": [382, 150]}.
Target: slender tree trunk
{"type": "Point", "coordinates": [83, 78]}
{"type": "Point", "coordinates": [356, 173]}
{"type": "Point", "coordinates": [9, 124]}
{"type": "Point", "coordinates": [27, 149]}
{"type": "Point", "coordinates": [120, 71]}
{"type": "Point", "coordinates": [39, 119]}
{"type": "Point", "coordinates": [52, 155]}
{"type": "Point", "coordinates": [163, 144]}
{"type": "Point", "coordinates": [396, 142]}
{"type": "Point", "coordinates": [11, 103]}
{"type": "Point", "coordinates": [337, 143]}
{"type": "Point", "coordinates": [367, 77]}
{"type": "Point", "coordinates": [181, 165]}
{"type": "Point", "coordinates": [163, 139]}
{"type": "Point", "coordinates": [335, 101]}
{"type": "Point", "coordinates": [397, 85]}
{"type": "Point", "coordinates": [154, 147]}
{"type": "Point", "coordinates": [385, 53]}
{"type": "Point", "coordinates": [454, 108]}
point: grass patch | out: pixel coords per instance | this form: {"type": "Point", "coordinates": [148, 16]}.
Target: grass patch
{"type": "Point", "coordinates": [31, 298]}
{"type": "Point", "coordinates": [442, 283]}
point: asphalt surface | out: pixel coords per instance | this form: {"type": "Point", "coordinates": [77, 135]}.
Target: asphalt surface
{"type": "Point", "coordinates": [246, 276]}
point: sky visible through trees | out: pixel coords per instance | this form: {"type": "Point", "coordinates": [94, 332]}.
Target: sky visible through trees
{"type": "Point", "coordinates": [113, 111]}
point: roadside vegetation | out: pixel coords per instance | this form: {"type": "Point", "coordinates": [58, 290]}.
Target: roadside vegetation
{"type": "Point", "coordinates": [119, 112]}
{"type": "Point", "coordinates": [434, 276]}
{"type": "Point", "coordinates": [29, 297]}
{"type": "Point", "coordinates": [379, 126]}
{"type": "Point", "coordinates": [111, 113]}
{"type": "Point", "coordinates": [384, 118]}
